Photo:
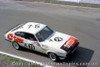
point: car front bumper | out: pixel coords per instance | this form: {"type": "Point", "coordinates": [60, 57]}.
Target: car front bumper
{"type": "Point", "coordinates": [72, 49]}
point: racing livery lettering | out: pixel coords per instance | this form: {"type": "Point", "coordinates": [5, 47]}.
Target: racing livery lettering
{"type": "Point", "coordinates": [16, 39]}
{"type": "Point", "coordinates": [37, 44]}
{"type": "Point", "coordinates": [50, 40]}
{"type": "Point", "coordinates": [71, 42]}
{"type": "Point", "coordinates": [30, 46]}
{"type": "Point", "coordinates": [44, 49]}
{"type": "Point", "coordinates": [37, 26]}
{"type": "Point", "coordinates": [10, 36]}
{"type": "Point", "coordinates": [29, 26]}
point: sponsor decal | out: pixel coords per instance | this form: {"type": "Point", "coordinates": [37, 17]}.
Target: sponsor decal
{"type": "Point", "coordinates": [44, 49]}
{"type": "Point", "coordinates": [71, 42]}
{"type": "Point", "coordinates": [10, 36]}
{"type": "Point", "coordinates": [16, 39]}
{"type": "Point", "coordinates": [37, 44]}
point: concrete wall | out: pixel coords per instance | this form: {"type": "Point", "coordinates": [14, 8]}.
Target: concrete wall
{"type": "Point", "coordinates": [90, 1]}
{"type": "Point", "coordinates": [83, 1]}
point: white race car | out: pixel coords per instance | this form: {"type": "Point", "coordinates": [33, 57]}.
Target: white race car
{"type": "Point", "coordinates": [41, 38]}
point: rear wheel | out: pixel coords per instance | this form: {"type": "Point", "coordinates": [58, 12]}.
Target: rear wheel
{"type": "Point", "coordinates": [53, 57]}
{"type": "Point", "coordinates": [16, 45]}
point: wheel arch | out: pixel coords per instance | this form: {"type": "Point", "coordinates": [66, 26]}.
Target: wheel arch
{"type": "Point", "coordinates": [50, 51]}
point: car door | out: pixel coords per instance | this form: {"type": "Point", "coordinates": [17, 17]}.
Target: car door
{"type": "Point", "coordinates": [31, 42]}
{"type": "Point", "coordinates": [27, 42]}
{"type": "Point", "coordinates": [19, 36]}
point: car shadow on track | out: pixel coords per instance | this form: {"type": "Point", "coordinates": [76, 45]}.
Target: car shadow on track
{"type": "Point", "coordinates": [32, 51]}
{"type": "Point", "coordinates": [79, 57]}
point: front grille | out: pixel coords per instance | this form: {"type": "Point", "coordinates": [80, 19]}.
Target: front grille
{"type": "Point", "coordinates": [69, 50]}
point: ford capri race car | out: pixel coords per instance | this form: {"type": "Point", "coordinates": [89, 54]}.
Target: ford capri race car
{"type": "Point", "coordinates": [39, 37]}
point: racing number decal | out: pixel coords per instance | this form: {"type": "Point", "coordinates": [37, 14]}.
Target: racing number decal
{"type": "Point", "coordinates": [58, 39]}
{"type": "Point", "coordinates": [16, 39]}
{"type": "Point", "coordinates": [37, 26]}
{"type": "Point", "coordinates": [30, 46]}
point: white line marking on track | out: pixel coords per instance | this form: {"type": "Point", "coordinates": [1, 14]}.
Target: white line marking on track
{"type": "Point", "coordinates": [25, 59]}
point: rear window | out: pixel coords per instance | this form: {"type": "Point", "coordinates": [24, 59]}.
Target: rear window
{"type": "Point", "coordinates": [17, 27]}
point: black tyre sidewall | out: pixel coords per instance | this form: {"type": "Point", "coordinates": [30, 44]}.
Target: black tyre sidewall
{"type": "Point", "coordinates": [57, 58]}
{"type": "Point", "coordinates": [14, 46]}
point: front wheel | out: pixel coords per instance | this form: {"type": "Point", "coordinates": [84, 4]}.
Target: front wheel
{"type": "Point", "coordinates": [53, 57]}
{"type": "Point", "coordinates": [16, 45]}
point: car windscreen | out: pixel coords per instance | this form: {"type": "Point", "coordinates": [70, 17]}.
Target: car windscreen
{"type": "Point", "coordinates": [44, 34]}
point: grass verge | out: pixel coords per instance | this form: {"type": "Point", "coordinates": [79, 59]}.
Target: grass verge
{"type": "Point", "coordinates": [65, 3]}
{"type": "Point", "coordinates": [75, 4]}
{"type": "Point", "coordinates": [14, 62]}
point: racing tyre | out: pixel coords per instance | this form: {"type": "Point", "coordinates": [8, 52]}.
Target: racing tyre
{"type": "Point", "coordinates": [16, 45]}
{"type": "Point", "coordinates": [53, 57]}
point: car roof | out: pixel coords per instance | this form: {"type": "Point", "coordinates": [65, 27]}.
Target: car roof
{"type": "Point", "coordinates": [32, 27]}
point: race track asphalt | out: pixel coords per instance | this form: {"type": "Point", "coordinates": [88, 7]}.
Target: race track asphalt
{"type": "Point", "coordinates": [83, 23]}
